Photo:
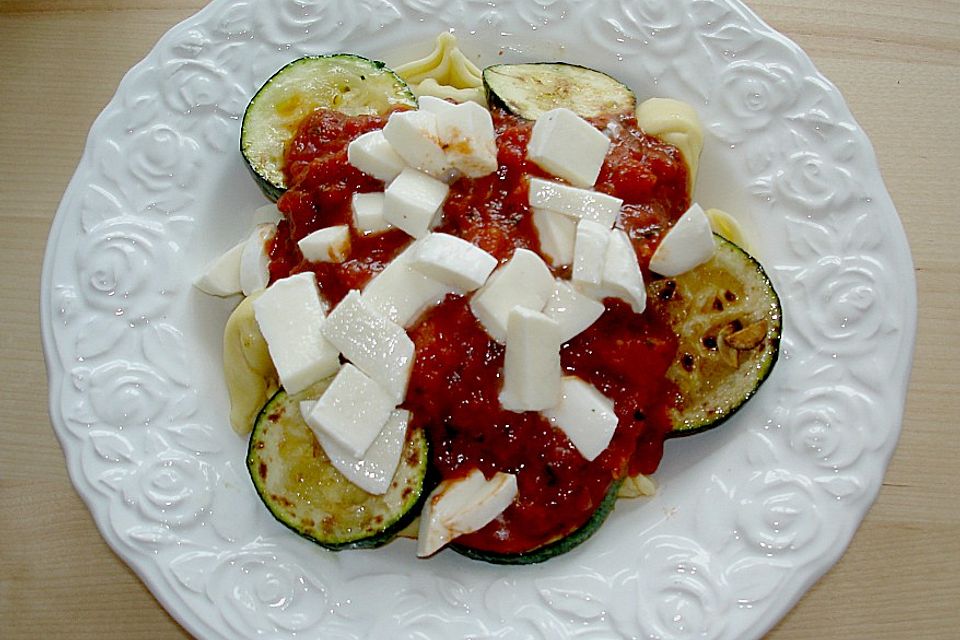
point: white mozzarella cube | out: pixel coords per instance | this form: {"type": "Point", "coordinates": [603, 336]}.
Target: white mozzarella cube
{"type": "Point", "coordinates": [374, 471]}
{"type": "Point", "coordinates": [589, 255]}
{"type": "Point", "coordinates": [255, 259]}
{"type": "Point", "coordinates": [585, 415]}
{"type": "Point", "coordinates": [688, 243]}
{"type": "Point", "coordinates": [572, 310]}
{"type": "Point", "coordinates": [557, 233]}
{"type": "Point", "coordinates": [466, 134]}
{"type": "Point", "coordinates": [375, 156]}
{"type": "Point", "coordinates": [453, 261]}
{"type": "Point", "coordinates": [531, 362]}
{"type": "Point", "coordinates": [330, 244]}
{"type": "Point", "coordinates": [222, 276]}
{"type": "Point", "coordinates": [413, 135]}
{"type": "Point", "coordinates": [621, 272]}
{"type": "Point", "coordinates": [267, 214]}
{"type": "Point", "coordinates": [568, 146]}
{"type": "Point", "coordinates": [412, 201]}
{"type": "Point", "coordinates": [367, 209]}
{"type": "Point", "coordinates": [401, 293]}
{"type": "Point", "coordinates": [462, 505]}
{"type": "Point", "coordinates": [581, 204]}
{"type": "Point", "coordinates": [524, 281]}
{"type": "Point", "coordinates": [379, 347]}
{"type": "Point", "coordinates": [436, 106]}
{"type": "Point", "coordinates": [290, 315]}
{"type": "Point", "coordinates": [351, 412]}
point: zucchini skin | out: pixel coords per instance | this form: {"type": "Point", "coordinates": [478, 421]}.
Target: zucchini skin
{"type": "Point", "coordinates": [267, 188]}
{"type": "Point", "coordinates": [372, 538]}
{"type": "Point", "coordinates": [555, 548]}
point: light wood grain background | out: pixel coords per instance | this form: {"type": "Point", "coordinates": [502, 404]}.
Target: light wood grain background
{"type": "Point", "coordinates": [898, 65]}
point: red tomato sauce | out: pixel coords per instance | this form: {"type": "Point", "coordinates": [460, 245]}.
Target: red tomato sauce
{"type": "Point", "coordinates": [322, 184]}
{"type": "Point", "coordinates": [456, 380]}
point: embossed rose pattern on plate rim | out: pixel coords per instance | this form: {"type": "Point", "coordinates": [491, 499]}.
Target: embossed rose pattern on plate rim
{"type": "Point", "coordinates": [747, 517]}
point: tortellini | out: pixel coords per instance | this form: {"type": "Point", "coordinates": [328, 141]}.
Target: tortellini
{"type": "Point", "coordinates": [250, 375]}
{"type": "Point", "coordinates": [445, 73]}
{"type": "Point", "coordinates": [677, 123]}
{"type": "Point", "coordinates": [637, 486]}
{"type": "Point", "coordinates": [727, 226]}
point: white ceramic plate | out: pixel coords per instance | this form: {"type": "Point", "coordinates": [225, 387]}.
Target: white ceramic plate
{"type": "Point", "coordinates": [747, 516]}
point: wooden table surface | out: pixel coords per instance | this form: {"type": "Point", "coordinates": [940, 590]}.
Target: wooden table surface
{"type": "Point", "coordinates": [898, 65]}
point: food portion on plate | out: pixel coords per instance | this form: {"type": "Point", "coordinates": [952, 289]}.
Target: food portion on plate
{"type": "Point", "coordinates": [482, 299]}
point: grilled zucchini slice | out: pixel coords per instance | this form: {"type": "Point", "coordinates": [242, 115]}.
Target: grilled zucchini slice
{"type": "Point", "coordinates": [303, 490]}
{"type": "Point", "coordinates": [345, 82]}
{"type": "Point", "coordinates": [728, 320]}
{"type": "Point", "coordinates": [529, 90]}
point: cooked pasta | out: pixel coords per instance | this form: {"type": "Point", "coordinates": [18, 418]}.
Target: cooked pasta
{"type": "Point", "coordinates": [445, 73]}
{"type": "Point", "coordinates": [637, 486]}
{"type": "Point", "coordinates": [727, 226]}
{"type": "Point", "coordinates": [677, 123]}
{"type": "Point", "coordinates": [250, 375]}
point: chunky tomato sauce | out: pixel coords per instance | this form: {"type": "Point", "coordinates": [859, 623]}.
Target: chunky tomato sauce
{"type": "Point", "coordinates": [322, 184]}
{"type": "Point", "coordinates": [456, 380]}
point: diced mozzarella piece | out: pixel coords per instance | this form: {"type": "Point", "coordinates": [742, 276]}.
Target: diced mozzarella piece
{"type": "Point", "coordinates": [401, 293]}
{"type": "Point", "coordinates": [572, 310]}
{"type": "Point", "coordinates": [557, 233]}
{"type": "Point", "coordinates": [367, 211]}
{"type": "Point", "coordinates": [330, 244]}
{"type": "Point", "coordinates": [589, 254]}
{"type": "Point", "coordinates": [687, 244]}
{"type": "Point", "coordinates": [374, 471]}
{"type": "Point", "coordinates": [372, 154]}
{"type": "Point", "coordinates": [621, 272]}
{"type": "Point", "coordinates": [524, 281]}
{"type": "Point", "coordinates": [412, 201]}
{"type": "Point", "coordinates": [473, 156]}
{"type": "Point", "coordinates": [268, 214]}
{"type": "Point", "coordinates": [290, 315]}
{"type": "Point", "coordinates": [255, 259]}
{"type": "Point", "coordinates": [568, 146]}
{"type": "Point", "coordinates": [585, 415]}
{"type": "Point", "coordinates": [436, 106]}
{"type": "Point", "coordinates": [222, 276]}
{"type": "Point", "coordinates": [462, 505]}
{"type": "Point", "coordinates": [351, 412]}
{"type": "Point", "coordinates": [453, 261]}
{"type": "Point", "coordinates": [379, 347]}
{"type": "Point", "coordinates": [466, 134]}
{"type": "Point", "coordinates": [581, 204]}
{"type": "Point", "coordinates": [531, 363]}
{"type": "Point", "coordinates": [413, 135]}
